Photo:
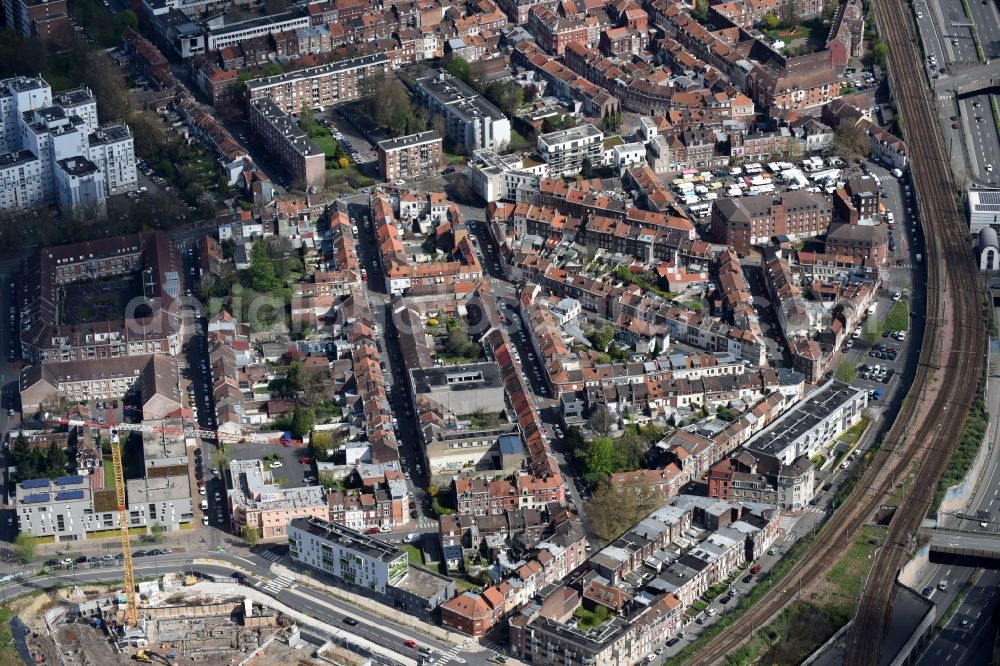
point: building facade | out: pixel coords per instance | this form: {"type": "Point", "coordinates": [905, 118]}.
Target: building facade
{"type": "Point", "coordinates": [410, 156]}
{"type": "Point", "coordinates": [293, 148]}
{"type": "Point", "coordinates": [323, 86]}
{"type": "Point", "coordinates": [471, 120]}
{"type": "Point", "coordinates": [565, 150]}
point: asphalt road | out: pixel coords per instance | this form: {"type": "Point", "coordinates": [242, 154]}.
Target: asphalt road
{"type": "Point", "coordinates": [981, 137]}
{"type": "Point", "coordinates": [986, 17]}
{"type": "Point", "coordinates": [953, 28]}
{"type": "Point", "coordinates": [968, 636]}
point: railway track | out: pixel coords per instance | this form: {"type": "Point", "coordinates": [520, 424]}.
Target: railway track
{"type": "Point", "coordinates": [954, 348]}
{"type": "Point", "coordinates": [955, 281]}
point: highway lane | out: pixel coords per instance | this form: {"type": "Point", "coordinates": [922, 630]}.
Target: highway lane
{"type": "Point", "coordinates": [955, 31]}
{"type": "Point", "coordinates": [981, 137]}
{"type": "Point", "coordinates": [968, 636]}
{"type": "Point", "coordinates": [986, 16]}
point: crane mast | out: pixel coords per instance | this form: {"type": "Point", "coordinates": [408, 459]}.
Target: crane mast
{"type": "Point", "coordinates": [131, 609]}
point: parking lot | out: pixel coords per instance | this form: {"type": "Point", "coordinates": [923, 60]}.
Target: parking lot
{"type": "Point", "coordinates": [288, 469]}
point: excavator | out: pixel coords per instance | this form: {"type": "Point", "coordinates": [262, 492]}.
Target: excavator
{"type": "Point", "coordinates": [148, 657]}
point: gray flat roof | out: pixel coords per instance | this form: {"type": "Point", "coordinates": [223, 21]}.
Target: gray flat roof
{"type": "Point", "coordinates": [409, 140]}
{"type": "Point", "coordinates": [457, 377]}
{"type": "Point", "coordinates": [802, 418]}
{"type": "Point", "coordinates": [577, 133]}
{"type": "Point", "coordinates": [459, 97]}
{"type": "Point", "coordinates": [348, 538]}
{"type": "Point", "coordinates": [322, 70]}
{"type": "Point", "coordinates": [293, 134]}
{"type": "Point", "coordinates": [423, 583]}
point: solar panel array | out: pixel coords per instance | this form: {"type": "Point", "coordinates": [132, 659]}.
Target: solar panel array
{"type": "Point", "coordinates": [989, 202]}
{"type": "Point", "coordinates": [35, 483]}
{"type": "Point", "coordinates": [67, 495]}
{"type": "Point", "coordinates": [69, 480]}
{"type": "Point", "coordinates": [36, 498]}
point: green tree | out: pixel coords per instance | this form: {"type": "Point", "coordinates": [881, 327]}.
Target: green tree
{"type": "Point", "coordinates": [262, 271]}
{"type": "Point", "coordinates": [771, 21]}
{"type": "Point", "coordinates": [846, 371]}
{"type": "Point", "coordinates": [302, 422]}
{"type": "Point", "coordinates": [329, 482]}
{"type": "Point", "coordinates": [881, 53]}
{"type": "Point", "coordinates": [574, 440]}
{"type": "Point", "coordinates": [601, 419]}
{"type": "Point", "coordinates": [24, 548]}
{"type": "Point", "coordinates": [251, 535]}
{"type": "Point", "coordinates": [611, 511]}
{"type": "Point", "coordinates": [459, 68]}
{"type": "Point", "coordinates": [126, 19]}
{"type": "Point", "coordinates": [55, 459]}
{"type": "Point", "coordinates": [850, 141]}
{"type": "Point", "coordinates": [601, 457]}
{"type": "Point", "coordinates": [429, 246]}
{"type": "Point", "coordinates": [586, 168]}
{"type": "Point", "coordinates": [321, 440]}
{"type": "Point", "coordinates": [601, 337]}
{"type": "Point", "coordinates": [700, 10]}
{"type": "Point", "coordinates": [271, 69]}
{"type": "Point", "coordinates": [631, 454]}
{"type": "Point", "coordinates": [156, 532]}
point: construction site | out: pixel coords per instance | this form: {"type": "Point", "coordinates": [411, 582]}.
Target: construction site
{"type": "Point", "coordinates": [172, 619]}
{"type": "Point", "coordinates": [182, 621]}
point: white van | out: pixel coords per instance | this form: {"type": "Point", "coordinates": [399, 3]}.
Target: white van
{"type": "Point", "coordinates": [204, 505]}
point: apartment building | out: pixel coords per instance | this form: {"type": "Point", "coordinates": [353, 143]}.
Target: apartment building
{"type": "Point", "coordinates": [47, 337]}
{"type": "Point", "coordinates": [107, 379]}
{"type": "Point", "coordinates": [80, 188]}
{"type": "Point", "coordinates": [264, 26]}
{"type": "Point", "coordinates": [346, 554]}
{"type": "Point", "coordinates": [411, 156]}
{"type": "Point", "coordinates": [112, 150]}
{"type": "Point", "coordinates": [284, 139]}
{"type": "Point", "coordinates": [21, 181]}
{"type": "Point", "coordinates": [368, 566]}
{"type": "Point", "coordinates": [79, 163]}
{"type": "Point", "coordinates": [255, 500]}
{"type": "Point", "coordinates": [565, 150]}
{"type": "Point", "coordinates": [748, 221]}
{"type": "Point", "coordinates": [812, 424]}
{"type": "Point", "coordinates": [553, 32]}
{"type": "Point", "coordinates": [323, 86]}
{"type": "Point", "coordinates": [471, 120]}
{"type": "Point", "coordinates": [43, 19]}
{"type": "Point", "coordinates": [69, 508]}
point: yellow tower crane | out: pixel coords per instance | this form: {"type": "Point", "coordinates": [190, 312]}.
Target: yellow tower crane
{"type": "Point", "coordinates": [131, 608]}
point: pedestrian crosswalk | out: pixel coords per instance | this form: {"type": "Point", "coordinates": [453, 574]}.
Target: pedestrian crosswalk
{"type": "Point", "coordinates": [787, 522]}
{"type": "Point", "coordinates": [815, 509]}
{"type": "Point", "coordinates": [450, 655]}
{"type": "Point", "coordinates": [280, 583]}
{"type": "Point", "coordinates": [270, 556]}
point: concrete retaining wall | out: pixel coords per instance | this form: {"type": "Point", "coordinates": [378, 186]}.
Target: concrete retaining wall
{"type": "Point", "coordinates": [910, 572]}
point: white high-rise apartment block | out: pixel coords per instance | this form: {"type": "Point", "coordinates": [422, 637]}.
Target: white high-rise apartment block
{"type": "Point", "coordinates": [20, 181]}
{"type": "Point", "coordinates": [80, 187]}
{"type": "Point", "coordinates": [55, 150]}
{"type": "Point", "coordinates": [111, 148]}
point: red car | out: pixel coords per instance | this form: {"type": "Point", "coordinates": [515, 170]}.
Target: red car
{"type": "Point", "coordinates": [306, 460]}
{"type": "Point", "coordinates": [410, 643]}
{"type": "Point", "coordinates": [371, 530]}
